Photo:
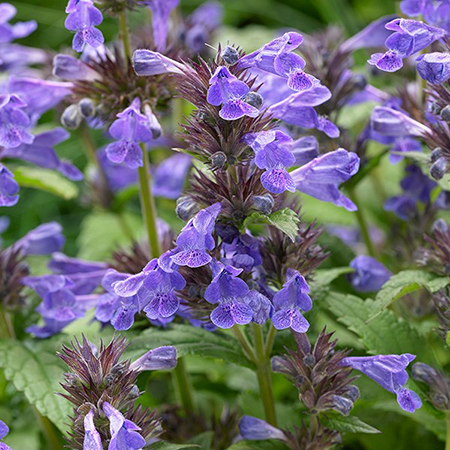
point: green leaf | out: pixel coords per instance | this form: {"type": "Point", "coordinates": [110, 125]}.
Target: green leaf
{"type": "Point", "coordinates": [103, 232]}
{"type": "Point", "coordinates": [189, 341]}
{"type": "Point", "coordinates": [349, 424]}
{"type": "Point", "coordinates": [385, 334]}
{"type": "Point", "coordinates": [324, 277]}
{"type": "Point", "coordinates": [36, 371]}
{"type": "Point", "coordinates": [168, 446]}
{"type": "Point", "coordinates": [404, 283]}
{"type": "Point", "coordinates": [286, 220]}
{"type": "Point", "coordinates": [258, 445]}
{"type": "Point", "coordinates": [204, 440]}
{"type": "Point", "coordinates": [46, 180]}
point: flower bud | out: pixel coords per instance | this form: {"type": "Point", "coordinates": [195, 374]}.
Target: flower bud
{"type": "Point", "coordinates": [263, 203]}
{"type": "Point", "coordinates": [218, 159]}
{"type": "Point", "coordinates": [445, 114]}
{"type": "Point", "coordinates": [442, 226]}
{"type": "Point", "coordinates": [352, 393]}
{"type": "Point", "coordinates": [436, 154]}
{"type": "Point", "coordinates": [359, 81]}
{"type": "Point", "coordinates": [309, 360]}
{"type": "Point", "coordinates": [155, 126]}
{"type": "Point", "coordinates": [341, 404]}
{"type": "Point", "coordinates": [86, 107]}
{"type": "Point", "coordinates": [186, 208]}
{"type": "Point", "coordinates": [439, 168]}
{"type": "Point", "coordinates": [71, 117]}
{"type": "Point", "coordinates": [254, 99]}
{"type": "Point", "coordinates": [229, 55]}
{"type": "Point", "coordinates": [424, 373]}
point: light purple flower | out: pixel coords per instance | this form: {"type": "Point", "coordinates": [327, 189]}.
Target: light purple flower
{"type": "Point", "coordinates": [260, 305]}
{"type": "Point", "coordinates": [196, 238]}
{"type": "Point", "coordinates": [10, 32]}
{"type": "Point", "coordinates": [389, 371]}
{"type": "Point", "coordinates": [305, 149]}
{"type": "Point", "coordinates": [390, 61]}
{"type": "Point", "coordinates": [243, 252]}
{"type": "Point", "coordinates": [160, 19]}
{"type": "Point", "coordinates": [131, 128]}
{"type": "Point", "coordinates": [124, 433]}
{"type": "Point", "coordinates": [161, 358]}
{"type": "Point", "coordinates": [70, 68]}
{"type": "Point", "coordinates": [149, 63]}
{"type": "Point", "coordinates": [92, 440]}
{"type": "Point", "coordinates": [41, 153]}
{"type": "Point", "coordinates": [434, 67]}
{"type": "Point", "coordinates": [14, 122]}
{"type": "Point", "coordinates": [226, 90]}
{"type": "Point", "coordinates": [404, 145]}
{"type": "Point", "coordinates": [229, 292]}
{"type": "Point", "coordinates": [9, 188]}
{"type": "Point", "coordinates": [170, 175]}
{"type": "Point", "coordinates": [369, 274]}
{"type": "Point", "coordinates": [255, 429]}
{"type": "Point", "coordinates": [321, 177]}
{"type": "Point", "coordinates": [83, 18]}
{"type": "Point", "coordinates": [290, 302]}
{"type": "Point", "coordinates": [4, 430]}
{"type": "Point", "coordinates": [43, 240]}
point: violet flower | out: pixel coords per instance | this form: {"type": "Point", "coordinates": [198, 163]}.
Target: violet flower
{"type": "Point", "coordinates": [255, 429]}
{"type": "Point", "coordinates": [389, 372]}
{"type": "Point", "coordinates": [229, 292]}
{"type": "Point", "coordinates": [305, 149]}
{"type": "Point", "coordinates": [4, 430]}
{"type": "Point", "coordinates": [10, 32]}
{"type": "Point", "coordinates": [321, 177]}
{"type": "Point", "coordinates": [369, 274]}
{"type": "Point", "coordinates": [160, 20]}
{"type": "Point", "coordinates": [243, 252]}
{"type": "Point", "coordinates": [43, 240]}
{"type": "Point", "coordinates": [434, 67]}
{"type": "Point", "coordinates": [290, 302]}
{"type": "Point", "coordinates": [83, 18]}
{"type": "Point", "coordinates": [70, 68]}
{"type": "Point", "coordinates": [195, 239]}
{"type": "Point", "coordinates": [131, 128]}
{"type": "Point", "coordinates": [92, 439]}
{"type": "Point", "coordinates": [403, 145]}
{"type": "Point", "coordinates": [14, 122]}
{"type": "Point", "coordinates": [170, 175]}
{"type": "Point", "coordinates": [230, 92]}
{"type": "Point", "coordinates": [149, 63]}
{"type": "Point", "coordinates": [9, 188]}
{"type": "Point", "coordinates": [124, 433]}
{"type": "Point", "coordinates": [161, 358]}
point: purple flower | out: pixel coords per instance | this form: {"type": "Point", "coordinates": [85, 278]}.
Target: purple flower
{"type": "Point", "coordinates": [161, 358]}
{"type": "Point", "coordinates": [68, 67]}
{"type": "Point", "coordinates": [160, 19]}
{"type": "Point", "coordinates": [230, 92]}
{"type": "Point", "coordinates": [83, 18]}
{"type": "Point", "coordinates": [260, 305]}
{"type": "Point", "coordinates": [229, 292]}
{"type": "Point", "coordinates": [258, 430]}
{"type": "Point", "coordinates": [290, 302]}
{"type": "Point", "coordinates": [4, 430]}
{"type": "Point", "coordinates": [8, 188]}
{"type": "Point", "coordinates": [41, 153]}
{"type": "Point", "coordinates": [169, 176]}
{"type": "Point", "coordinates": [195, 239]}
{"type": "Point", "coordinates": [131, 128]}
{"type": "Point", "coordinates": [124, 433]}
{"type": "Point", "coordinates": [389, 372]}
{"type": "Point", "coordinates": [10, 32]}
{"type": "Point", "coordinates": [321, 177]}
{"type": "Point", "coordinates": [369, 274]}
{"type": "Point", "coordinates": [305, 149]}
{"type": "Point", "coordinates": [243, 252]}
{"type": "Point", "coordinates": [390, 61]}
{"type": "Point", "coordinates": [43, 240]}
{"type": "Point", "coordinates": [404, 145]}
{"type": "Point", "coordinates": [434, 67]}
{"type": "Point", "coordinates": [118, 176]}
{"type": "Point", "coordinates": [149, 63]}
{"type": "Point", "coordinates": [92, 440]}
{"type": "Point", "coordinates": [15, 58]}
{"type": "Point", "coordinates": [13, 122]}
{"type": "Point", "coordinates": [414, 8]}
{"type": "Point", "coordinates": [404, 206]}
{"type": "Point", "coordinates": [272, 152]}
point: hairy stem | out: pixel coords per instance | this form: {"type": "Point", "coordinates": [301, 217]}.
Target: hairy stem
{"type": "Point", "coordinates": [263, 373]}
{"type": "Point", "coordinates": [184, 386]}
{"type": "Point", "coordinates": [270, 339]}
{"type": "Point", "coordinates": [246, 346]}
{"type": "Point", "coordinates": [363, 226]}
{"type": "Point", "coordinates": [148, 205]}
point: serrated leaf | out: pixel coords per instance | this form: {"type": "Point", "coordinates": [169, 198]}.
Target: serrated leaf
{"type": "Point", "coordinates": [189, 341]}
{"type": "Point", "coordinates": [349, 424]}
{"type": "Point", "coordinates": [385, 334]}
{"type": "Point", "coordinates": [286, 220]}
{"type": "Point", "coordinates": [46, 180]}
{"type": "Point", "coordinates": [324, 277]}
{"type": "Point", "coordinates": [404, 283]}
{"type": "Point", "coordinates": [258, 445]}
{"type": "Point", "coordinates": [36, 372]}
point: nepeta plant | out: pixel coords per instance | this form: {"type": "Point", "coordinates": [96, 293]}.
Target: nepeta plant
{"type": "Point", "coordinates": [264, 175]}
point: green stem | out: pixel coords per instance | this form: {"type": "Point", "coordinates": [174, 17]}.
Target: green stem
{"type": "Point", "coordinates": [246, 346]}
{"type": "Point", "coordinates": [125, 35]}
{"type": "Point", "coordinates": [264, 375]}
{"type": "Point", "coordinates": [184, 386]}
{"type": "Point", "coordinates": [49, 430]}
{"type": "Point", "coordinates": [363, 226]}
{"type": "Point", "coordinates": [447, 440]}
{"type": "Point", "coordinates": [7, 325]}
{"type": "Point", "coordinates": [148, 205]}
{"type": "Point", "coordinates": [270, 339]}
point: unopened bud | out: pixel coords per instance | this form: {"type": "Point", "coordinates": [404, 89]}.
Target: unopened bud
{"type": "Point", "coordinates": [341, 404]}
{"type": "Point", "coordinates": [228, 233]}
{"type": "Point", "coordinates": [436, 154]}
{"type": "Point", "coordinates": [186, 208]}
{"type": "Point", "coordinates": [439, 168]}
{"type": "Point", "coordinates": [359, 81]}
{"type": "Point", "coordinates": [71, 117]}
{"type": "Point", "coordinates": [230, 55]}
{"type": "Point", "coordinates": [445, 114]}
{"type": "Point", "coordinates": [218, 159]}
{"type": "Point", "coordinates": [440, 401]}
{"type": "Point", "coordinates": [86, 107]}
{"type": "Point", "coordinates": [442, 226]}
{"type": "Point", "coordinates": [155, 126]}
{"type": "Point", "coordinates": [424, 373]}
{"type": "Point", "coordinates": [309, 360]}
{"type": "Point", "coordinates": [263, 203]}
{"type": "Point", "coordinates": [254, 99]}
{"type": "Point", "coordinates": [352, 393]}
